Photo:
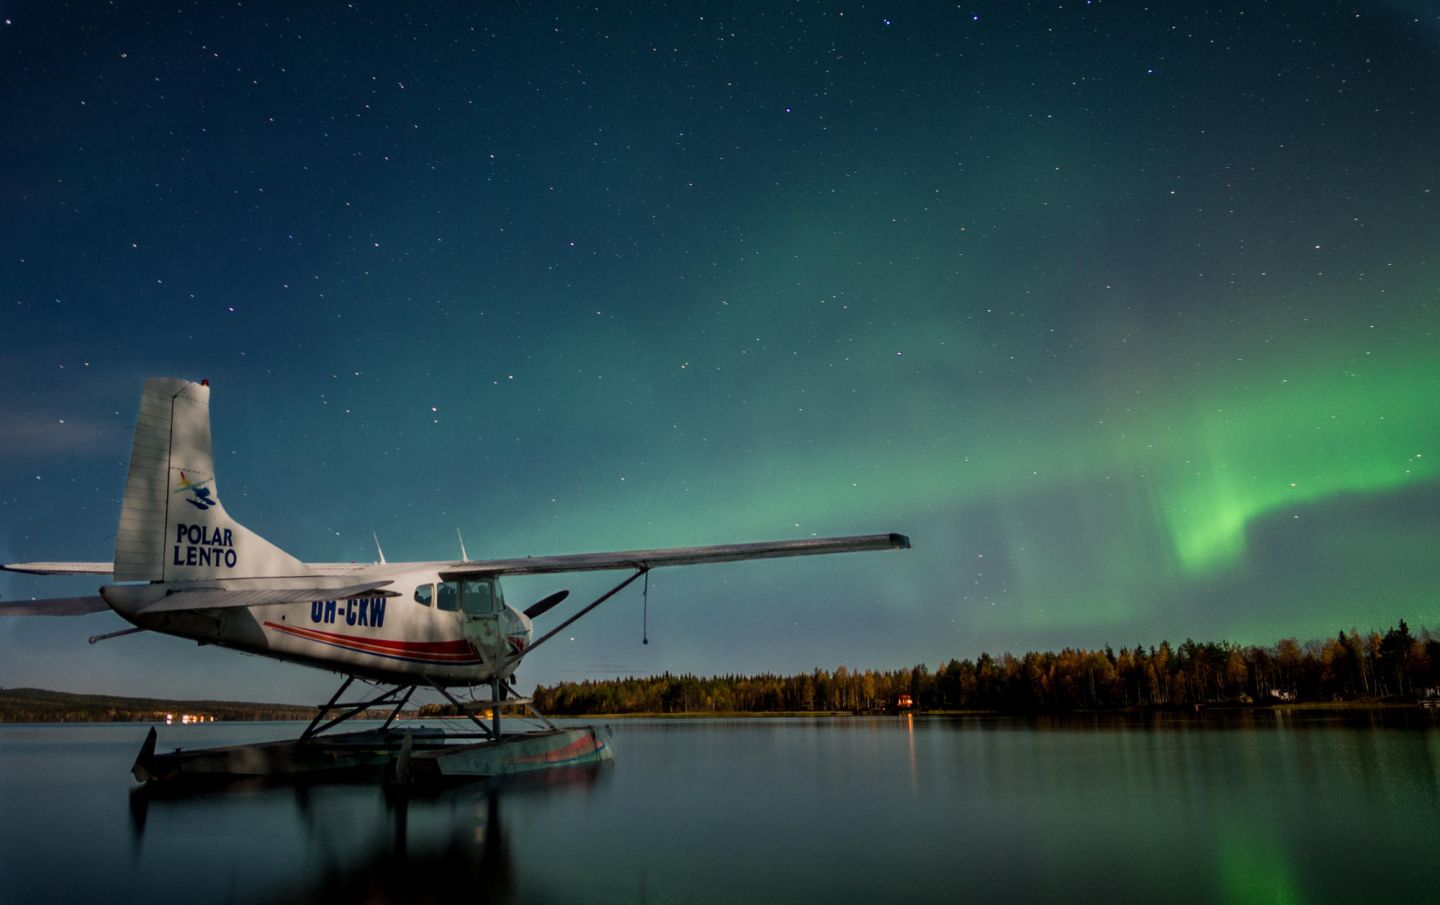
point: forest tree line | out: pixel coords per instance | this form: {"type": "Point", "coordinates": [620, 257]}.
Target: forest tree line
{"type": "Point", "coordinates": [1353, 666]}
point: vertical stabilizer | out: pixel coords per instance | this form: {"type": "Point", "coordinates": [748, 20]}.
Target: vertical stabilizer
{"type": "Point", "coordinates": [172, 524]}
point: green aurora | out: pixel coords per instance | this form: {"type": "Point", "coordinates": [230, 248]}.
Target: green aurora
{"type": "Point", "coordinates": [1128, 318]}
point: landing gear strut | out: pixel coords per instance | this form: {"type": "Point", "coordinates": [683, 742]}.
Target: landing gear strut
{"type": "Point", "coordinates": [502, 694]}
{"type": "Point", "coordinates": [352, 709]}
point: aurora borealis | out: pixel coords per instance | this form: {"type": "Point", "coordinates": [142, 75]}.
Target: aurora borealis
{"type": "Point", "coordinates": [1127, 315]}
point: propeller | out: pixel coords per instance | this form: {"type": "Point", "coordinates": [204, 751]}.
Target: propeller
{"type": "Point", "coordinates": [535, 609]}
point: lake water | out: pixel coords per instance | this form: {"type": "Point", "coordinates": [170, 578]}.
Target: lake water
{"type": "Point", "coordinates": [1264, 809]}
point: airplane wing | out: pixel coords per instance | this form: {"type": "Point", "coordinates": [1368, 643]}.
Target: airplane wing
{"type": "Point", "coordinates": [675, 556]}
{"type": "Point", "coordinates": [56, 606]}
{"type": "Point", "coordinates": [336, 568]}
{"type": "Point", "coordinates": [60, 568]}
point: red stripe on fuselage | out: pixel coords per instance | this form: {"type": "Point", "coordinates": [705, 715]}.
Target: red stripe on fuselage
{"type": "Point", "coordinates": [458, 651]}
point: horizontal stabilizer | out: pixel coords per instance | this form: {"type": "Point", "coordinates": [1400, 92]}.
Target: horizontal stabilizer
{"type": "Point", "coordinates": [219, 598]}
{"type": "Point", "coordinates": [56, 606]}
{"type": "Point", "coordinates": [677, 556]}
{"type": "Point", "coordinates": [60, 568]}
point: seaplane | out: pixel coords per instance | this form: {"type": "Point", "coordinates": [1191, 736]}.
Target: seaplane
{"type": "Point", "coordinates": [184, 567]}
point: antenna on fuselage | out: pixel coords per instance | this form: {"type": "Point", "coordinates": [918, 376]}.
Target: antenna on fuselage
{"type": "Point", "coordinates": [377, 546]}
{"type": "Point", "coordinates": [464, 557]}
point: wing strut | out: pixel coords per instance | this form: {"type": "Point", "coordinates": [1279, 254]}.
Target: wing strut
{"type": "Point", "coordinates": [95, 639]}
{"type": "Point", "coordinates": [510, 661]}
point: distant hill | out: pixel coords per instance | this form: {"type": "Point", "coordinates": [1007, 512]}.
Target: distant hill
{"type": "Point", "coordinates": [36, 705]}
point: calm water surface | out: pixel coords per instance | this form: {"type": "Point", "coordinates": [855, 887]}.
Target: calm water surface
{"type": "Point", "coordinates": [833, 810]}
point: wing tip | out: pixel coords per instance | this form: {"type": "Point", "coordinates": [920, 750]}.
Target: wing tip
{"type": "Point", "coordinates": [899, 541]}
{"type": "Point", "coordinates": [58, 568]}
{"type": "Point", "coordinates": [56, 606]}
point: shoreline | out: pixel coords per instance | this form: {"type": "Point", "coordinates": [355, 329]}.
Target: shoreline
{"type": "Point", "coordinates": [1139, 711]}
{"type": "Point", "coordinates": [39, 706]}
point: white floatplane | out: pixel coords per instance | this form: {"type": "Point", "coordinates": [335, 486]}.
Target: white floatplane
{"type": "Point", "coordinates": [184, 567]}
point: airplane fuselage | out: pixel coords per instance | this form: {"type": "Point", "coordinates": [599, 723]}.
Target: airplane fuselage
{"type": "Point", "coordinates": [424, 628]}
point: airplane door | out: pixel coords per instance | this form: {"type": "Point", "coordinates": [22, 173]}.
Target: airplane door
{"type": "Point", "coordinates": [480, 608]}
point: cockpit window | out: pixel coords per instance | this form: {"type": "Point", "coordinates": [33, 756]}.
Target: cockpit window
{"type": "Point", "coordinates": [477, 597]}
{"type": "Point", "coordinates": [449, 596]}
{"type": "Point", "coordinates": [425, 594]}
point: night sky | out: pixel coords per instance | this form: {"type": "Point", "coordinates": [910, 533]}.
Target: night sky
{"type": "Point", "coordinates": [1126, 314]}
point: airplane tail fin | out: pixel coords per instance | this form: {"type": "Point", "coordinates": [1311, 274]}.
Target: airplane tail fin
{"type": "Point", "coordinates": [172, 524]}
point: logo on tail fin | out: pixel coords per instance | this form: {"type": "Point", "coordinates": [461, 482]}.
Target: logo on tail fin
{"type": "Point", "coordinates": [202, 498]}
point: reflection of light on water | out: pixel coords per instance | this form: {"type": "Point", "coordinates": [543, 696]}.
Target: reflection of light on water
{"type": "Point", "coordinates": [910, 736]}
{"type": "Point", "coordinates": [1080, 810]}
{"type": "Point", "coordinates": [1254, 866]}
{"type": "Point", "coordinates": [480, 823]}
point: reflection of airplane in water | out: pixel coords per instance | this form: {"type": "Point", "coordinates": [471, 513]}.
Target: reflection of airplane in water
{"type": "Point", "coordinates": [184, 567]}
{"type": "Point", "coordinates": [361, 844]}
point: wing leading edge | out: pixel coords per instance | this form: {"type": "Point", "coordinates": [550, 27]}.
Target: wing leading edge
{"type": "Point", "coordinates": [60, 568]}
{"type": "Point", "coordinates": [676, 556]}
{"type": "Point", "coordinates": [537, 565]}
{"type": "Point", "coordinates": [56, 606]}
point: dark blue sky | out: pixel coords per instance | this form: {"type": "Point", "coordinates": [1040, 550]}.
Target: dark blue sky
{"type": "Point", "coordinates": [1126, 314]}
